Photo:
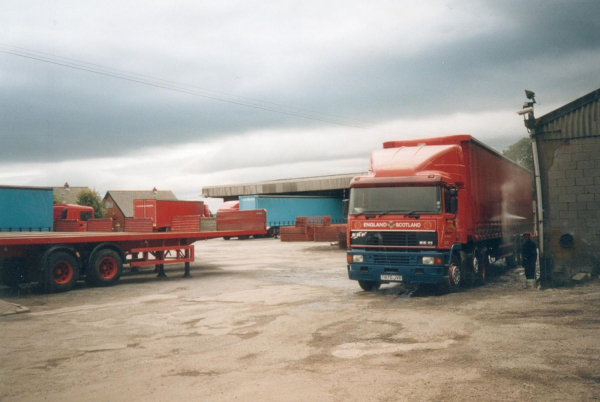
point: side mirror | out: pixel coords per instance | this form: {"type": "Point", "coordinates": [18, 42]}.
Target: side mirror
{"type": "Point", "coordinates": [345, 206]}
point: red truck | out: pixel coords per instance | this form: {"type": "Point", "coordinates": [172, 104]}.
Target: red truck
{"type": "Point", "coordinates": [162, 211]}
{"type": "Point", "coordinates": [56, 260]}
{"type": "Point", "coordinates": [436, 211]}
{"type": "Point", "coordinates": [79, 213]}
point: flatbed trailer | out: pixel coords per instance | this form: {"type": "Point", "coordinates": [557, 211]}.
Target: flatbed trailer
{"type": "Point", "coordinates": [56, 260]}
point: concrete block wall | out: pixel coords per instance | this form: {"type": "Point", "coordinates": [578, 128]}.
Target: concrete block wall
{"type": "Point", "coordinates": [571, 172]}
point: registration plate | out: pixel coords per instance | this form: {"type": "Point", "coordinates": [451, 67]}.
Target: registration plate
{"type": "Point", "coordinates": [397, 278]}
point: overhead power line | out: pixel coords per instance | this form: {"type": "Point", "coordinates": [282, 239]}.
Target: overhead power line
{"type": "Point", "coordinates": [165, 84]}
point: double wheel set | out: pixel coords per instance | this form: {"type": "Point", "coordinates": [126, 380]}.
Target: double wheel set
{"type": "Point", "coordinates": [62, 268]}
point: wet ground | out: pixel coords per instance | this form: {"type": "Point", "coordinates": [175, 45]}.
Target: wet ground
{"type": "Point", "coordinates": [262, 320]}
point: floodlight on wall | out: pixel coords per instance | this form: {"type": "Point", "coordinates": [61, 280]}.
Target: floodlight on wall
{"type": "Point", "coordinates": [530, 95]}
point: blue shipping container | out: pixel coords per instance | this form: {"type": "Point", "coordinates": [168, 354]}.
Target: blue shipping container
{"type": "Point", "coordinates": [26, 209]}
{"type": "Point", "coordinates": [283, 210]}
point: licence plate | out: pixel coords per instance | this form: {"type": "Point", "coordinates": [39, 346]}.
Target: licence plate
{"type": "Point", "coordinates": [397, 278]}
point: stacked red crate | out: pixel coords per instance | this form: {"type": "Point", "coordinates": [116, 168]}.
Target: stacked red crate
{"type": "Point", "coordinates": [329, 233]}
{"type": "Point", "coordinates": [254, 219]}
{"type": "Point", "coordinates": [99, 225]}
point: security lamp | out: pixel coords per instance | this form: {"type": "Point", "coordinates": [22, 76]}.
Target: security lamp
{"type": "Point", "coordinates": [530, 95]}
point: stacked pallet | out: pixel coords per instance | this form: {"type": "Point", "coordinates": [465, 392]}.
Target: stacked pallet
{"type": "Point", "coordinates": [329, 233]}
{"type": "Point", "coordinates": [253, 219]}
{"type": "Point", "coordinates": [312, 228]}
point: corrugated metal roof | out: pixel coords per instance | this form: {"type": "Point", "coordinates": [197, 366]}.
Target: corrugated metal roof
{"type": "Point", "coordinates": [284, 186]}
{"type": "Point", "coordinates": [124, 199]}
{"type": "Point", "coordinates": [577, 119]}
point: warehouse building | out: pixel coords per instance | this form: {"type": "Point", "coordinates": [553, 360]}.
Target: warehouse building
{"type": "Point", "coordinates": [323, 186]}
{"type": "Point", "coordinates": [568, 145]}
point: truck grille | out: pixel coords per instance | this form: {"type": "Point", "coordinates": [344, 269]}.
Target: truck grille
{"type": "Point", "coordinates": [393, 259]}
{"type": "Point", "coordinates": [394, 239]}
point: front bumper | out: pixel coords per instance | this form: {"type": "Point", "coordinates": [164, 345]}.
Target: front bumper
{"type": "Point", "coordinates": [407, 264]}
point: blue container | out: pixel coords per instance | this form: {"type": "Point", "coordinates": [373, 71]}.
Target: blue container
{"type": "Point", "coordinates": [283, 210]}
{"type": "Point", "coordinates": [26, 209]}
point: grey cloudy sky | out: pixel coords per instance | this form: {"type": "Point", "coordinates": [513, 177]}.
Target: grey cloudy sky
{"type": "Point", "coordinates": [186, 94]}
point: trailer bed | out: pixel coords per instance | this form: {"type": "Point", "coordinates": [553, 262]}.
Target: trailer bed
{"type": "Point", "coordinates": [42, 238]}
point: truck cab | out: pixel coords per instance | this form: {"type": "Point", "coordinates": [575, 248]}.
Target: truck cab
{"type": "Point", "coordinates": [80, 213]}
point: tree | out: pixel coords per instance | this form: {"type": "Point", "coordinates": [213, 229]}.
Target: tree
{"type": "Point", "coordinates": [92, 199]}
{"type": "Point", "coordinates": [55, 199]}
{"type": "Point", "coordinates": [521, 153]}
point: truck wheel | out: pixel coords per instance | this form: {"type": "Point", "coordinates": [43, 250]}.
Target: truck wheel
{"type": "Point", "coordinates": [271, 232]}
{"type": "Point", "coordinates": [467, 270]}
{"type": "Point", "coordinates": [62, 272]}
{"type": "Point", "coordinates": [106, 268]}
{"type": "Point", "coordinates": [480, 266]}
{"type": "Point", "coordinates": [226, 238]}
{"type": "Point", "coordinates": [369, 286]}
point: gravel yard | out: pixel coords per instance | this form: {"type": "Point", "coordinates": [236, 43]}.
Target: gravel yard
{"type": "Point", "coordinates": [262, 320]}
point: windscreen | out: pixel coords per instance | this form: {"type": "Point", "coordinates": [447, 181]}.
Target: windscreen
{"type": "Point", "coordinates": [395, 200]}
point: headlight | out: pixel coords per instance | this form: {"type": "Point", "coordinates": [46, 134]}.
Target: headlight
{"type": "Point", "coordinates": [431, 260]}
{"type": "Point", "coordinates": [427, 260]}
{"type": "Point", "coordinates": [358, 258]}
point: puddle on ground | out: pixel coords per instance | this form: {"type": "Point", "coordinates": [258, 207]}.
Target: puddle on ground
{"type": "Point", "coordinates": [356, 350]}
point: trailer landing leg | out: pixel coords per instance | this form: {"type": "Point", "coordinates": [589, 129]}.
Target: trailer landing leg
{"type": "Point", "coordinates": [187, 270]}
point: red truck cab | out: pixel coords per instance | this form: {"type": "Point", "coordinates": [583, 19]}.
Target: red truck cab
{"type": "Point", "coordinates": [80, 213]}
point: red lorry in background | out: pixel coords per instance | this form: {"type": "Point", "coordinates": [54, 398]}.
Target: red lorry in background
{"type": "Point", "coordinates": [79, 213]}
{"type": "Point", "coordinates": [436, 211]}
{"type": "Point", "coordinates": [162, 211]}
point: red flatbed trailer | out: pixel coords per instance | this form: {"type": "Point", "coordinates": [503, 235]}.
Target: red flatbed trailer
{"type": "Point", "coordinates": [57, 259]}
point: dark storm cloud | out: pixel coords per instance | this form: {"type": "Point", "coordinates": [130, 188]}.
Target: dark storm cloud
{"type": "Point", "coordinates": [52, 113]}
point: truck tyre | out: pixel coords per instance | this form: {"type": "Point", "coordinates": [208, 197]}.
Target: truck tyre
{"type": "Point", "coordinates": [480, 266]}
{"type": "Point", "coordinates": [271, 232]}
{"type": "Point", "coordinates": [105, 269]}
{"type": "Point", "coordinates": [369, 286]}
{"type": "Point", "coordinates": [467, 271]}
{"type": "Point", "coordinates": [226, 238]}
{"type": "Point", "coordinates": [454, 276]}
{"type": "Point", "coordinates": [62, 272]}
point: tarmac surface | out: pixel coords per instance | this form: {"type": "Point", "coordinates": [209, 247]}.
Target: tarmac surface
{"type": "Point", "coordinates": [262, 320]}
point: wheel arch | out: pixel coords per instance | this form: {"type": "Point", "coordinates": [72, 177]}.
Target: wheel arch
{"type": "Point", "coordinates": [53, 249]}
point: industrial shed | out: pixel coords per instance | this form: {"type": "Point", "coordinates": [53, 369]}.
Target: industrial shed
{"type": "Point", "coordinates": [324, 186]}
{"type": "Point", "coordinates": [568, 145]}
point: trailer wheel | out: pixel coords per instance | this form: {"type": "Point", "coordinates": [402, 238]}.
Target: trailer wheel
{"type": "Point", "coordinates": [62, 272]}
{"type": "Point", "coordinates": [369, 286]}
{"type": "Point", "coordinates": [106, 268]}
{"type": "Point", "coordinates": [480, 266]}
{"type": "Point", "coordinates": [467, 270]}
{"type": "Point", "coordinates": [226, 237]}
